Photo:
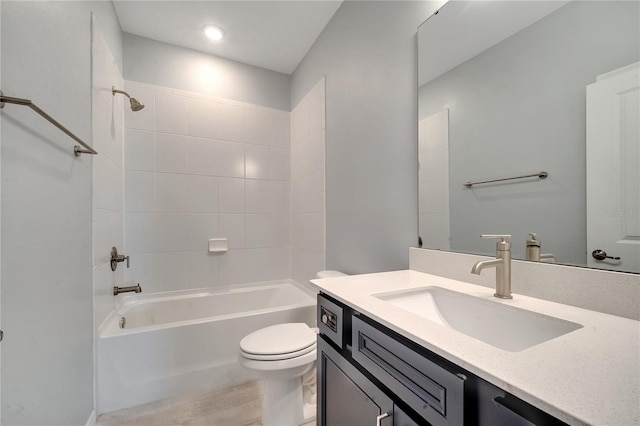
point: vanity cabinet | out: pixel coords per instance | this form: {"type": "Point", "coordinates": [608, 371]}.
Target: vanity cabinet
{"type": "Point", "coordinates": [371, 375]}
{"type": "Point", "coordinates": [347, 398]}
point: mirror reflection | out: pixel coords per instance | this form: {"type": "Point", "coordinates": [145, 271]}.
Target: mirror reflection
{"type": "Point", "coordinates": [509, 89]}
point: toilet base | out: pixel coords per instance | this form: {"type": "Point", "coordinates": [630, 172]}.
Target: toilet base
{"type": "Point", "coordinates": [282, 403]}
{"type": "Point", "coordinates": [309, 412]}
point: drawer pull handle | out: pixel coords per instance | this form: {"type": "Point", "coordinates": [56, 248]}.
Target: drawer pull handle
{"type": "Point", "coordinates": [380, 417]}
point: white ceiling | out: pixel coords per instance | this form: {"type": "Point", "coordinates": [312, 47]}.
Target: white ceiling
{"type": "Point", "coordinates": [269, 34]}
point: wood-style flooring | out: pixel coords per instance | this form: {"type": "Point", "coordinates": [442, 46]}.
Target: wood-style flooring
{"type": "Point", "coordinates": [239, 405]}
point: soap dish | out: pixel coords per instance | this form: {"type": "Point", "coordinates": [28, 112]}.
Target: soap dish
{"type": "Point", "coordinates": [218, 245]}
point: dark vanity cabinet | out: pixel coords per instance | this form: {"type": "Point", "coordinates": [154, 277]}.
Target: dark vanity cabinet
{"type": "Point", "coordinates": [349, 398]}
{"type": "Point", "coordinates": [370, 375]}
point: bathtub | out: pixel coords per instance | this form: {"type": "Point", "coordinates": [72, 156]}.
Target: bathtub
{"type": "Point", "coordinates": [177, 342]}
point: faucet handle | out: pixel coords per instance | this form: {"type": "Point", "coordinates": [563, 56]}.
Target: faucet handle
{"type": "Point", "coordinates": [503, 244]}
{"type": "Point", "coordinates": [505, 237]}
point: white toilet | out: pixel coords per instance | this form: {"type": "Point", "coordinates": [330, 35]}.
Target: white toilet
{"type": "Point", "coordinates": [284, 356]}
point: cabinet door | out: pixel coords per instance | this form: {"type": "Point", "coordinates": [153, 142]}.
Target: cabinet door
{"type": "Point", "coordinates": [435, 393]}
{"type": "Point", "coordinates": [345, 396]}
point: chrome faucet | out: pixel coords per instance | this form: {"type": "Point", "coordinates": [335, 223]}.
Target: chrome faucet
{"type": "Point", "coordinates": [132, 288]}
{"type": "Point", "coordinates": [502, 263]}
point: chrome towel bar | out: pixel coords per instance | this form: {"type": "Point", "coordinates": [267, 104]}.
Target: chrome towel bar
{"type": "Point", "coordinates": [77, 150]}
{"type": "Point", "coordinates": [541, 175]}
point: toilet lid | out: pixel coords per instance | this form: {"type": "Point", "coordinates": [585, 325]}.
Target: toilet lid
{"type": "Point", "coordinates": [279, 339]}
{"type": "Point", "coordinates": [279, 357]}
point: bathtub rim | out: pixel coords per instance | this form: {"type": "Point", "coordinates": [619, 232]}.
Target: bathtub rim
{"type": "Point", "coordinates": [109, 327]}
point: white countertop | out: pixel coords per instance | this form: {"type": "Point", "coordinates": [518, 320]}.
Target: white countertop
{"type": "Point", "coordinates": [589, 376]}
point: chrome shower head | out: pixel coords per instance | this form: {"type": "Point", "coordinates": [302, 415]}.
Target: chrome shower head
{"type": "Point", "coordinates": [136, 105]}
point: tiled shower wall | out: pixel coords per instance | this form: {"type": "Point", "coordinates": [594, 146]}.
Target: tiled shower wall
{"type": "Point", "coordinates": [108, 208]}
{"type": "Point", "coordinates": [308, 131]}
{"type": "Point", "coordinates": [198, 168]}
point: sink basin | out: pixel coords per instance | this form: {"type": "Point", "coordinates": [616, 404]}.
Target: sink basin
{"type": "Point", "coordinates": [505, 327]}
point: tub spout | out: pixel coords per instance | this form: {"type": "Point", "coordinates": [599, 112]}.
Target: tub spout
{"type": "Point", "coordinates": [132, 288]}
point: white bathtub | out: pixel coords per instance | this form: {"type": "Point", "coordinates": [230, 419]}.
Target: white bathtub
{"type": "Point", "coordinates": [177, 342]}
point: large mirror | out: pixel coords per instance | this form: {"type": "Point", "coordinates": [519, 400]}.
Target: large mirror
{"type": "Point", "coordinates": [517, 88]}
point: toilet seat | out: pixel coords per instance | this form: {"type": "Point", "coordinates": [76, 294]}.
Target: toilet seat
{"type": "Point", "coordinates": [278, 357]}
{"type": "Point", "coordinates": [279, 342]}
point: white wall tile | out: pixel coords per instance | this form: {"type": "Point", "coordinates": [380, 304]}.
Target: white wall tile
{"type": "Point", "coordinates": [230, 158]}
{"type": "Point", "coordinates": [308, 232]}
{"type": "Point", "coordinates": [140, 193]}
{"type": "Point", "coordinates": [108, 184]}
{"type": "Point", "coordinates": [108, 129]}
{"type": "Point", "coordinates": [316, 110]}
{"type": "Point", "coordinates": [171, 153]}
{"type": "Point", "coordinates": [299, 124]}
{"type": "Point", "coordinates": [296, 166]}
{"type": "Point", "coordinates": [202, 227]}
{"type": "Point", "coordinates": [232, 268]}
{"type": "Point", "coordinates": [257, 126]}
{"type": "Point", "coordinates": [140, 150]}
{"type": "Point", "coordinates": [256, 196]}
{"type": "Point", "coordinates": [305, 265]}
{"type": "Point", "coordinates": [307, 194]}
{"type": "Point", "coordinates": [280, 197]}
{"type": "Point", "coordinates": [139, 233]}
{"type": "Point", "coordinates": [202, 157]}
{"type": "Point", "coordinates": [279, 131]}
{"type": "Point", "coordinates": [108, 176]}
{"type": "Point", "coordinates": [230, 195]}
{"type": "Point", "coordinates": [268, 264]}
{"type": "Point", "coordinates": [216, 121]}
{"type": "Point", "coordinates": [171, 272]}
{"type": "Point", "coordinates": [103, 282]}
{"type": "Point", "coordinates": [108, 233]}
{"type": "Point", "coordinates": [141, 271]}
{"type": "Point", "coordinates": [257, 162]}
{"type": "Point", "coordinates": [219, 167]}
{"type": "Point", "coordinates": [280, 164]}
{"type": "Point", "coordinates": [267, 230]}
{"type": "Point", "coordinates": [172, 193]}
{"type": "Point", "coordinates": [307, 185]}
{"type": "Point", "coordinates": [203, 194]}
{"type": "Point", "coordinates": [231, 227]}
{"type": "Point", "coordinates": [171, 114]}
{"type": "Point", "coordinates": [172, 232]}
{"type": "Point", "coordinates": [314, 159]}
{"type": "Point", "coordinates": [203, 269]}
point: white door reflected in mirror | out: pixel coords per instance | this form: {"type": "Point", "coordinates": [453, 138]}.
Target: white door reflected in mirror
{"type": "Point", "coordinates": [613, 170]}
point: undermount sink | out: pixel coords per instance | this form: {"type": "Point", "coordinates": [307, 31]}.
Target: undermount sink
{"type": "Point", "coordinates": [505, 327]}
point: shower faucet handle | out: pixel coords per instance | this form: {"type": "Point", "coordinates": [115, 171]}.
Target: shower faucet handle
{"type": "Point", "coordinates": [117, 258]}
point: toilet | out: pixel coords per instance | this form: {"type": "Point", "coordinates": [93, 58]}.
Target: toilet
{"type": "Point", "coordinates": [284, 355]}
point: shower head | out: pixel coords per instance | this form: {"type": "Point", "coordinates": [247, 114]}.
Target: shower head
{"type": "Point", "coordinates": [136, 105]}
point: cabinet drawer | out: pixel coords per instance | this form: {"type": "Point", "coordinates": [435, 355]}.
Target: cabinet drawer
{"type": "Point", "coordinates": [432, 391]}
{"type": "Point", "coordinates": [330, 320]}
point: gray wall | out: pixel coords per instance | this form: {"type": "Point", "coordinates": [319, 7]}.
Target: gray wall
{"type": "Point", "coordinates": [163, 64]}
{"type": "Point", "coordinates": [47, 303]}
{"type": "Point", "coordinates": [368, 54]}
{"type": "Point", "coordinates": [519, 108]}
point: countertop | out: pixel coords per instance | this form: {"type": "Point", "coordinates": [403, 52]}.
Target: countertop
{"type": "Point", "coordinates": [590, 376]}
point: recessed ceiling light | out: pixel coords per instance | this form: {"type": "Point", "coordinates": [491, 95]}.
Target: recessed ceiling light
{"type": "Point", "coordinates": [213, 32]}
